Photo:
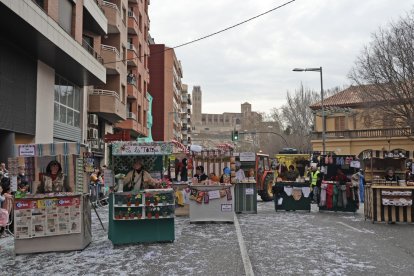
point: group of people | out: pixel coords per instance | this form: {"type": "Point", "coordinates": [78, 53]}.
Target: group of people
{"type": "Point", "coordinates": [202, 178]}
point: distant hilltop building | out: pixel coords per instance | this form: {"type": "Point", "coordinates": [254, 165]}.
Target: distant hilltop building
{"type": "Point", "coordinates": [216, 128]}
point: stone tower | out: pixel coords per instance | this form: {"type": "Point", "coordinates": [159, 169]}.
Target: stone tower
{"type": "Point", "coordinates": [197, 102]}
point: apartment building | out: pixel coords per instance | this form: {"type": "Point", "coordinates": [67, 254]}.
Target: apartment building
{"type": "Point", "coordinates": [186, 103]}
{"type": "Point", "coordinates": [165, 86]}
{"type": "Point", "coordinates": [49, 57]}
{"type": "Point", "coordinates": [121, 104]}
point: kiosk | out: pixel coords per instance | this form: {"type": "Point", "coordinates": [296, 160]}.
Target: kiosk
{"type": "Point", "coordinates": [54, 221]}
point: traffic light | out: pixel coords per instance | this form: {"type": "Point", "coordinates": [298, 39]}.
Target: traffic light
{"type": "Point", "coordinates": [235, 135]}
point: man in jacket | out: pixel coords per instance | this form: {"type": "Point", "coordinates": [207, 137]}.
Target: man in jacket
{"type": "Point", "coordinates": [315, 178]}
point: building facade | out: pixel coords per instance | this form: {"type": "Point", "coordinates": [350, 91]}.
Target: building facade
{"type": "Point", "coordinates": [352, 128]}
{"type": "Point", "coordinates": [44, 89]}
{"type": "Point", "coordinates": [186, 123]}
{"type": "Point", "coordinates": [121, 104]}
{"type": "Point", "coordinates": [165, 87]}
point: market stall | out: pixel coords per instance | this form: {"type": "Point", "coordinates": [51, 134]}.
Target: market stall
{"type": "Point", "coordinates": [142, 215]}
{"type": "Point", "coordinates": [212, 203]}
{"type": "Point", "coordinates": [388, 201]}
{"type": "Point", "coordinates": [338, 196]}
{"type": "Point", "coordinates": [292, 196]}
{"type": "Point", "coordinates": [52, 221]}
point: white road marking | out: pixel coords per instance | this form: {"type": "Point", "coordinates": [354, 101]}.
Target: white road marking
{"type": "Point", "coordinates": [248, 269]}
{"type": "Point", "coordinates": [356, 229]}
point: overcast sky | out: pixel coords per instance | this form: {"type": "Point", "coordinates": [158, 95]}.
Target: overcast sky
{"type": "Point", "coordinates": [254, 61]}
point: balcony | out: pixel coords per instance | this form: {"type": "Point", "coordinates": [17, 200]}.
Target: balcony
{"type": "Point", "coordinates": [365, 133]}
{"type": "Point", "coordinates": [132, 55]}
{"type": "Point", "coordinates": [107, 105]}
{"type": "Point", "coordinates": [133, 27]}
{"type": "Point", "coordinates": [110, 57]}
{"type": "Point", "coordinates": [114, 17]}
{"type": "Point", "coordinates": [91, 51]}
{"type": "Point", "coordinates": [132, 115]}
{"type": "Point", "coordinates": [132, 125]}
{"type": "Point", "coordinates": [94, 17]}
{"type": "Point", "coordinates": [132, 89]}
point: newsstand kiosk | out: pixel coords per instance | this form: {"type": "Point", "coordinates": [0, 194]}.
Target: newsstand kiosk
{"type": "Point", "coordinates": [54, 221]}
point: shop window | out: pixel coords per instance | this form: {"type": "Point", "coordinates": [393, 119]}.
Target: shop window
{"type": "Point", "coordinates": [340, 123]}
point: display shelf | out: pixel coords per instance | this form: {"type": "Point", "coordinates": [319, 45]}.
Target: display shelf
{"type": "Point", "coordinates": [143, 205]}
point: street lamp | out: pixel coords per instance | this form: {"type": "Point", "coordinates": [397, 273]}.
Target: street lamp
{"type": "Point", "coordinates": [323, 108]}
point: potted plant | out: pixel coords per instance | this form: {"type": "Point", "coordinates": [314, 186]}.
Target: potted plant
{"type": "Point", "coordinates": [164, 200]}
{"type": "Point", "coordinates": [156, 200]}
{"type": "Point", "coordinates": [139, 215]}
{"type": "Point", "coordinates": [157, 212]}
{"type": "Point", "coordinates": [138, 199]}
{"type": "Point", "coordinates": [129, 200]}
{"type": "Point", "coordinates": [131, 215]}
{"type": "Point", "coordinates": [118, 215]}
{"type": "Point", "coordinates": [149, 214]}
{"type": "Point", "coordinates": [148, 197]}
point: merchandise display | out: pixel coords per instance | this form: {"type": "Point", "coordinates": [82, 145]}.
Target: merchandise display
{"type": "Point", "coordinates": [338, 196]}
{"type": "Point", "coordinates": [292, 196]}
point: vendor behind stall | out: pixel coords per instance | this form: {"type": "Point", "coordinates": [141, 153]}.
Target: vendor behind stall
{"type": "Point", "coordinates": [138, 178]}
{"type": "Point", "coordinates": [200, 175]}
{"type": "Point", "coordinates": [390, 175]}
{"type": "Point", "coordinates": [53, 180]}
{"type": "Point", "coordinates": [291, 174]}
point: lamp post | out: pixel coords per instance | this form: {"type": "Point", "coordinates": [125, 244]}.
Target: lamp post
{"type": "Point", "coordinates": [323, 108]}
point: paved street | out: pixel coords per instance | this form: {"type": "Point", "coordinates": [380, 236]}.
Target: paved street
{"type": "Point", "coordinates": [282, 243]}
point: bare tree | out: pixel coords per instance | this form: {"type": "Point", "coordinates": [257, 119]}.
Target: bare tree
{"type": "Point", "coordinates": [384, 72]}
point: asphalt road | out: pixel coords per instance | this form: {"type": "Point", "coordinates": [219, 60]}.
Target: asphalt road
{"type": "Point", "coordinates": [282, 243]}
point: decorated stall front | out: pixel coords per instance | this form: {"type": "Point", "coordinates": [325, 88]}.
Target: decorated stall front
{"type": "Point", "coordinates": [388, 199]}
{"type": "Point", "coordinates": [56, 217]}
{"type": "Point", "coordinates": [212, 203]}
{"type": "Point", "coordinates": [142, 215]}
{"type": "Point", "coordinates": [243, 165]}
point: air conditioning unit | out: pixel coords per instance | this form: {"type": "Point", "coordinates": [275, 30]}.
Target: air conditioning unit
{"type": "Point", "coordinates": [93, 119]}
{"type": "Point", "coordinates": [92, 133]}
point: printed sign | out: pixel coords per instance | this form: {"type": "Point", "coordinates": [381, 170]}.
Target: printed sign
{"type": "Point", "coordinates": [27, 150]}
{"type": "Point", "coordinates": [247, 156]}
{"type": "Point", "coordinates": [249, 191]}
{"type": "Point", "coordinates": [226, 207]}
{"type": "Point", "coordinates": [135, 148]}
{"type": "Point", "coordinates": [214, 194]}
{"type": "Point", "coordinates": [355, 164]}
{"type": "Point", "coordinates": [108, 178]}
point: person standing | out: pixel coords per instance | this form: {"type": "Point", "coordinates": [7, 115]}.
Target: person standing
{"type": "Point", "coordinates": [315, 177]}
{"type": "Point", "coordinates": [292, 174]}
{"type": "Point", "coordinates": [240, 176]}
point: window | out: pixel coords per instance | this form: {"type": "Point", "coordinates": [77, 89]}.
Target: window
{"type": "Point", "coordinates": [140, 22]}
{"type": "Point", "coordinates": [124, 55]}
{"type": "Point", "coordinates": [145, 86]}
{"type": "Point", "coordinates": [140, 52]}
{"type": "Point", "coordinates": [40, 3]}
{"type": "Point", "coordinates": [139, 82]}
{"type": "Point", "coordinates": [144, 122]}
{"type": "Point", "coordinates": [139, 114]}
{"type": "Point", "coordinates": [123, 93]}
{"type": "Point", "coordinates": [388, 121]}
{"type": "Point", "coordinates": [340, 123]}
{"type": "Point", "coordinates": [67, 102]}
{"type": "Point", "coordinates": [65, 15]}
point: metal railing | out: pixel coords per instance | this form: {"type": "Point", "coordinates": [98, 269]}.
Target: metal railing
{"type": "Point", "coordinates": [131, 46]}
{"type": "Point", "coordinates": [102, 92]}
{"type": "Point", "coordinates": [110, 49]}
{"type": "Point", "coordinates": [365, 133]}
{"type": "Point", "coordinates": [131, 115]}
{"type": "Point", "coordinates": [91, 51]}
{"type": "Point", "coordinates": [132, 14]}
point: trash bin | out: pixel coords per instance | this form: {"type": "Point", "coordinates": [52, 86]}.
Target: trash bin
{"type": "Point", "coordinates": [245, 198]}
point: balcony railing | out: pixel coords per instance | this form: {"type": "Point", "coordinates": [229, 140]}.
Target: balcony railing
{"type": "Point", "coordinates": [131, 115]}
{"type": "Point", "coordinates": [110, 49]}
{"type": "Point", "coordinates": [91, 51]}
{"type": "Point", "coordinates": [111, 5]}
{"type": "Point", "coordinates": [131, 46]}
{"type": "Point", "coordinates": [366, 133]}
{"type": "Point", "coordinates": [97, 145]}
{"type": "Point", "coordinates": [132, 14]}
{"type": "Point", "coordinates": [102, 92]}
{"type": "Point", "coordinates": [131, 79]}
